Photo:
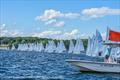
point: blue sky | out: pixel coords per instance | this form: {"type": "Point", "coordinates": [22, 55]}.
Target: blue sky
{"type": "Point", "coordinates": [64, 18]}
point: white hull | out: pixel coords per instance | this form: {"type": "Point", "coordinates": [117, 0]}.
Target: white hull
{"type": "Point", "coordinates": [95, 66]}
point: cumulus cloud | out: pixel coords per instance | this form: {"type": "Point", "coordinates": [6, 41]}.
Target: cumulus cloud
{"type": "Point", "coordinates": [47, 34]}
{"type": "Point", "coordinates": [11, 33]}
{"type": "Point", "coordinates": [51, 17]}
{"type": "Point", "coordinates": [58, 34]}
{"type": "Point", "coordinates": [59, 23]}
{"type": "Point", "coordinates": [53, 14]}
{"type": "Point", "coordinates": [84, 36]}
{"type": "Point", "coordinates": [15, 33]}
{"type": "Point", "coordinates": [51, 21]}
{"type": "Point", "coordinates": [71, 15]}
{"type": "Point", "coordinates": [49, 14]}
{"type": "Point", "coordinates": [3, 30]}
{"type": "Point", "coordinates": [54, 22]}
{"type": "Point", "coordinates": [99, 12]}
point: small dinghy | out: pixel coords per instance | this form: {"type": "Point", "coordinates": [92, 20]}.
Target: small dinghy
{"type": "Point", "coordinates": [110, 64]}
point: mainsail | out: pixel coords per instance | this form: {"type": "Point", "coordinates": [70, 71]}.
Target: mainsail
{"type": "Point", "coordinates": [88, 52]}
{"type": "Point", "coordinates": [71, 47]}
{"type": "Point", "coordinates": [41, 47]}
{"type": "Point", "coordinates": [78, 47]}
{"type": "Point", "coordinates": [51, 47]}
{"type": "Point", "coordinates": [98, 44]}
{"type": "Point", "coordinates": [61, 47]}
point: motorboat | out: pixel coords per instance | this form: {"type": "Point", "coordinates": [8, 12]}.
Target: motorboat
{"type": "Point", "coordinates": [112, 41]}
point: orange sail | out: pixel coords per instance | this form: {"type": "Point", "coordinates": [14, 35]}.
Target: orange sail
{"type": "Point", "coordinates": [114, 36]}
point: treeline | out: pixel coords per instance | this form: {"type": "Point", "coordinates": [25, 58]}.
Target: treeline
{"type": "Point", "coordinates": [9, 41]}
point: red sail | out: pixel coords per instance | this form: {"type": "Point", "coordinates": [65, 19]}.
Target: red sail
{"type": "Point", "coordinates": [114, 36]}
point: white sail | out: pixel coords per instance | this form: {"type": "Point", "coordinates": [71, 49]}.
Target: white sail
{"type": "Point", "coordinates": [96, 48]}
{"type": "Point", "coordinates": [13, 47]}
{"type": "Point", "coordinates": [78, 47]}
{"type": "Point", "coordinates": [57, 47]}
{"type": "Point", "coordinates": [96, 45]}
{"type": "Point", "coordinates": [88, 52]}
{"type": "Point", "coordinates": [99, 43]}
{"type": "Point", "coordinates": [92, 45]}
{"type": "Point", "coordinates": [26, 47]}
{"type": "Point", "coordinates": [51, 47]}
{"type": "Point", "coordinates": [30, 47]}
{"type": "Point", "coordinates": [22, 47]}
{"type": "Point", "coordinates": [19, 47]}
{"type": "Point", "coordinates": [71, 47]}
{"type": "Point", "coordinates": [41, 47]}
{"type": "Point", "coordinates": [37, 47]}
{"type": "Point", "coordinates": [61, 47]}
{"type": "Point", "coordinates": [47, 47]}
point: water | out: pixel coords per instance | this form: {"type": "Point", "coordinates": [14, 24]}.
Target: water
{"type": "Point", "coordinates": [19, 65]}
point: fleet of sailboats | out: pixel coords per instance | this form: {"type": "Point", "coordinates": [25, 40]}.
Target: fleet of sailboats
{"type": "Point", "coordinates": [51, 47]}
{"type": "Point", "coordinates": [95, 47]}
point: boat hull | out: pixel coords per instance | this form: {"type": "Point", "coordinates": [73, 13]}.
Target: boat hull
{"type": "Point", "coordinates": [91, 66]}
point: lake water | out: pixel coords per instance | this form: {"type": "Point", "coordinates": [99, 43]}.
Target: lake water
{"type": "Point", "coordinates": [23, 65]}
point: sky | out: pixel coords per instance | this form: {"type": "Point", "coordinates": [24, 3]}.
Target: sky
{"type": "Point", "coordinates": [63, 19]}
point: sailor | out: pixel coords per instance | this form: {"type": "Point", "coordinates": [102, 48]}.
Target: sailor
{"type": "Point", "coordinates": [107, 56]}
{"type": "Point", "coordinates": [100, 53]}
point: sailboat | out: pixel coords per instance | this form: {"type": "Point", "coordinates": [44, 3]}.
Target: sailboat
{"type": "Point", "coordinates": [98, 44]}
{"type": "Point", "coordinates": [113, 40]}
{"type": "Point", "coordinates": [46, 47]}
{"type": "Point", "coordinates": [13, 47]}
{"type": "Point", "coordinates": [60, 47]}
{"type": "Point", "coordinates": [88, 52]}
{"type": "Point", "coordinates": [78, 47]}
{"type": "Point", "coordinates": [71, 47]}
{"type": "Point", "coordinates": [51, 47]}
{"type": "Point", "coordinates": [41, 47]}
{"type": "Point", "coordinates": [95, 46]}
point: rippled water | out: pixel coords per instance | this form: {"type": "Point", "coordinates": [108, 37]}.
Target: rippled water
{"type": "Point", "coordinates": [19, 65]}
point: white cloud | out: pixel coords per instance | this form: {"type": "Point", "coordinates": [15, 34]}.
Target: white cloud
{"type": "Point", "coordinates": [55, 23]}
{"type": "Point", "coordinates": [74, 32]}
{"type": "Point", "coordinates": [49, 14]}
{"type": "Point", "coordinates": [50, 21]}
{"type": "Point", "coordinates": [84, 14]}
{"type": "Point", "coordinates": [15, 33]}
{"type": "Point", "coordinates": [99, 12]}
{"type": "Point", "coordinates": [47, 34]}
{"type": "Point", "coordinates": [58, 34]}
{"type": "Point", "coordinates": [59, 23]}
{"type": "Point", "coordinates": [51, 17]}
{"type": "Point", "coordinates": [3, 30]}
{"type": "Point", "coordinates": [11, 33]}
{"type": "Point", "coordinates": [84, 36]}
{"type": "Point", "coordinates": [71, 15]}
{"type": "Point", "coordinates": [53, 14]}
{"type": "Point", "coordinates": [71, 35]}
